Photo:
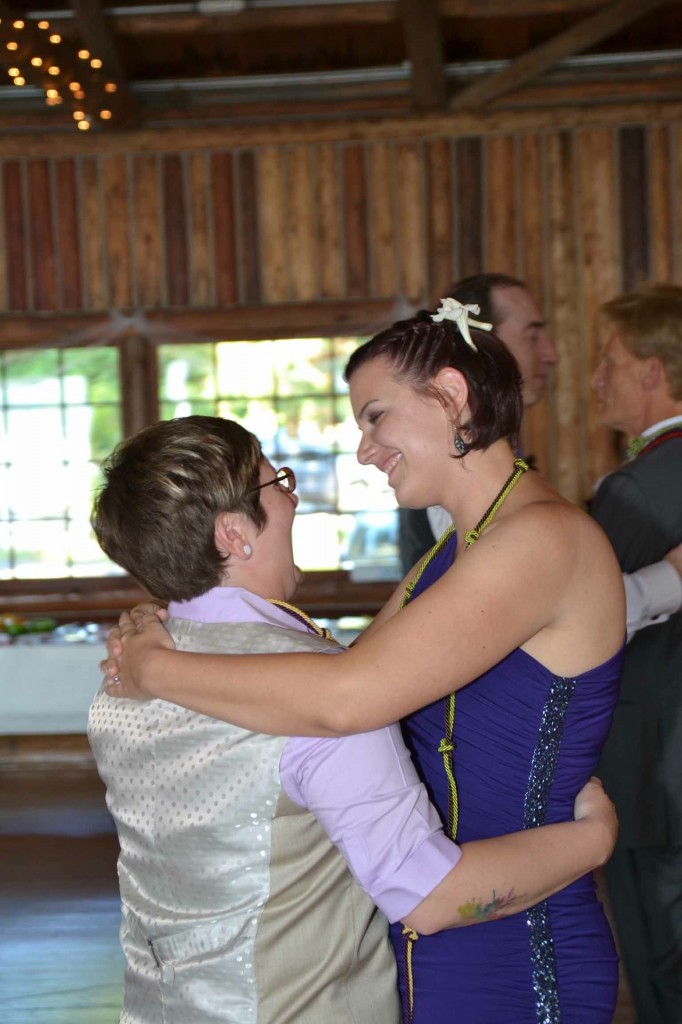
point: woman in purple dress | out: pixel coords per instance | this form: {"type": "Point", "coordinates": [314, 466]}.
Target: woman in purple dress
{"type": "Point", "coordinates": [500, 652]}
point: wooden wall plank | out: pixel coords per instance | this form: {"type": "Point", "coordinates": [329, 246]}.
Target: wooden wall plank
{"type": "Point", "coordinates": [565, 311]}
{"type": "Point", "coordinates": [272, 194]}
{"type": "Point", "coordinates": [95, 286]}
{"type": "Point", "coordinates": [3, 248]}
{"type": "Point", "coordinates": [149, 279]}
{"type": "Point", "coordinates": [67, 234]}
{"type": "Point", "coordinates": [175, 230]}
{"type": "Point", "coordinates": [538, 426]}
{"type": "Point", "coordinates": [15, 236]}
{"type": "Point", "coordinates": [634, 206]}
{"type": "Point", "coordinates": [201, 261]}
{"type": "Point", "coordinates": [597, 184]}
{"type": "Point", "coordinates": [411, 196]}
{"type": "Point", "coordinates": [500, 248]}
{"type": "Point", "coordinates": [116, 198]}
{"type": "Point", "coordinates": [329, 224]}
{"type": "Point", "coordinates": [660, 187]}
{"type": "Point", "coordinates": [248, 230]}
{"type": "Point", "coordinates": [355, 221]}
{"type": "Point", "coordinates": [440, 244]}
{"type": "Point", "coordinates": [41, 231]}
{"type": "Point", "coordinates": [301, 223]}
{"type": "Point", "coordinates": [225, 242]}
{"type": "Point", "coordinates": [382, 220]}
{"type": "Point", "coordinates": [470, 220]}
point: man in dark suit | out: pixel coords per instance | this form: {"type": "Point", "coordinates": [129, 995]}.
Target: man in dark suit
{"type": "Point", "coordinates": [639, 387]}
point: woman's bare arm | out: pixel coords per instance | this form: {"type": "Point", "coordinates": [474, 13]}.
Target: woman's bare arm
{"type": "Point", "coordinates": [513, 586]}
{"type": "Point", "coordinates": [502, 876]}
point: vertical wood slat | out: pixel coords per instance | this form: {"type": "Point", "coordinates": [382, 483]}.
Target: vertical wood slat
{"type": "Point", "coordinates": [15, 236]}
{"type": "Point", "coordinates": [634, 208]}
{"type": "Point", "coordinates": [329, 226]}
{"type": "Point", "coordinates": [201, 259]}
{"type": "Point", "coordinates": [147, 240]}
{"type": "Point", "coordinates": [440, 219]}
{"type": "Point", "coordinates": [224, 248]}
{"type": "Point", "coordinates": [470, 221]}
{"type": "Point", "coordinates": [96, 292]}
{"type": "Point", "coordinates": [600, 280]}
{"type": "Point", "coordinates": [563, 290]}
{"type": "Point", "coordinates": [68, 237]}
{"type": "Point", "coordinates": [500, 253]}
{"type": "Point", "coordinates": [382, 220]}
{"type": "Point", "coordinates": [43, 266]}
{"type": "Point", "coordinates": [272, 193]}
{"type": "Point", "coordinates": [117, 230]}
{"type": "Point", "coordinates": [355, 221]}
{"type": "Point", "coordinates": [175, 224]}
{"type": "Point", "coordinates": [249, 216]}
{"type": "Point", "coordinates": [538, 426]}
{"type": "Point", "coordinates": [3, 249]}
{"type": "Point", "coordinates": [660, 186]}
{"type": "Point", "coordinates": [676, 215]}
{"type": "Point", "coordinates": [411, 222]}
{"type": "Point", "coordinates": [301, 223]}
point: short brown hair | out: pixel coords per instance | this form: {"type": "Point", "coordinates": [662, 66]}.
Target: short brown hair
{"type": "Point", "coordinates": [419, 348]}
{"type": "Point", "coordinates": [649, 322]}
{"type": "Point", "coordinates": [163, 488]}
{"type": "Point", "coordinates": [479, 290]}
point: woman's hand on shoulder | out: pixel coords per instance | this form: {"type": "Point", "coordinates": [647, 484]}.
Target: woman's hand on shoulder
{"type": "Point", "coordinates": [139, 633]}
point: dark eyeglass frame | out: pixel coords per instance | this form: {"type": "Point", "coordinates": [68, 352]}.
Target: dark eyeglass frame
{"type": "Point", "coordinates": [284, 478]}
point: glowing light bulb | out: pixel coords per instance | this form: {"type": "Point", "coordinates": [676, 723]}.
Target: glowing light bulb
{"type": "Point", "coordinates": [106, 115]}
{"type": "Point", "coordinates": [95, 62]}
{"type": "Point", "coordinates": [110, 87]}
{"type": "Point", "coordinates": [19, 80]}
{"type": "Point", "coordinates": [83, 54]}
{"type": "Point", "coordinates": [13, 46]}
{"type": "Point", "coordinates": [37, 62]}
{"type": "Point", "coordinates": [84, 125]}
{"type": "Point", "coordinates": [55, 38]}
{"type": "Point", "coordinates": [53, 70]}
{"type": "Point", "coordinates": [17, 24]}
{"type": "Point", "coordinates": [13, 72]}
{"type": "Point", "coordinates": [78, 115]}
{"type": "Point", "coordinates": [43, 24]}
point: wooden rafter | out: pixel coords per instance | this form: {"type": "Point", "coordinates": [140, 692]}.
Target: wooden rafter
{"type": "Point", "coordinates": [424, 47]}
{"type": "Point", "coordinates": [574, 40]}
{"type": "Point", "coordinates": [98, 39]}
{"type": "Point", "coordinates": [355, 12]}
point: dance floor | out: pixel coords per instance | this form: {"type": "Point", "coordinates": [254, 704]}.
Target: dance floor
{"type": "Point", "coordinates": [60, 961]}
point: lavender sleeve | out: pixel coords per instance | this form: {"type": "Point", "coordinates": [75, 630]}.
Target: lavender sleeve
{"type": "Point", "coordinates": [365, 792]}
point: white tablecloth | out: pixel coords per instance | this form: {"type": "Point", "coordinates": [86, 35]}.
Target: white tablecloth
{"type": "Point", "coordinates": [47, 688]}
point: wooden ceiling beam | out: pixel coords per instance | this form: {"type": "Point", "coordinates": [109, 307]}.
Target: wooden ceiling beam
{"type": "Point", "coordinates": [97, 36]}
{"type": "Point", "coordinates": [424, 48]}
{"type": "Point", "coordinates": [573, 40]}
{"type": "Point", "coordinates": [326, 15]}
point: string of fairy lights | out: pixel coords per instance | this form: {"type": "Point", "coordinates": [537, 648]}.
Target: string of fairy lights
{"type": "Point", "coordinates": [35, 54]}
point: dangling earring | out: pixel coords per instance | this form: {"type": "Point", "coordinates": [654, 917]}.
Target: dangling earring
{"type": "Point", "coordinates": [460, 443]}
{"type": "Point", "coordinates": [248, 550]}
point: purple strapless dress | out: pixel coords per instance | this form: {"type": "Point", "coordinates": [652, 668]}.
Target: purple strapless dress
{"type": "Point", "coordinates": [525, 742]}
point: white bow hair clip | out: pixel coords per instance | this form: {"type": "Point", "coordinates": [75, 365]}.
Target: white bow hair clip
{"type": "Point", "coordinates": [451, 309]}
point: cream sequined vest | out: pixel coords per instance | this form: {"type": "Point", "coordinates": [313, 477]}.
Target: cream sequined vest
{"type": "Point", "coordinates": [236, 906]}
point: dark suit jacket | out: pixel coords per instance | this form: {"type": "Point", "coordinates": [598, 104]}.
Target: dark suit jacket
{"type": "Point", "coordinates": [640, 508]}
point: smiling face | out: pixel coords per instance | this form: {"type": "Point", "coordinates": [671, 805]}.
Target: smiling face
{"type": "Point", "coordinates": [405, 434]}
{"type": "Point", "coordinates": [618, 381]}
{"type": "Point", "coordinates": [273, 547]}
{"type": "Point", "coordinates": [522, 327]}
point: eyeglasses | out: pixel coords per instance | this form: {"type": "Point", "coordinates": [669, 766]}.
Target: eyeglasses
{"type": "Point", "coordinates": [284, 478]}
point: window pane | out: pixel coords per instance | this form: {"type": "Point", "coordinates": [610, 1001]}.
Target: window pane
{"type": "Point", "coordinates": [59, 416]}
{"type": "Point", "coordinates": [291, 395]}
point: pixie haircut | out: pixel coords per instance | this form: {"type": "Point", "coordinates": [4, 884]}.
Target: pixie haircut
{"type": "Point", "coordinates": [162, 491]}
{"type": "Point", "coordinates": [417, 349]}
{"type": "Point", "coordinates": [649, 322]}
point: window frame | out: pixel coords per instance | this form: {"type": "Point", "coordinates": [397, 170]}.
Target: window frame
{"type": "Point", "coordinates": [101, 598]}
